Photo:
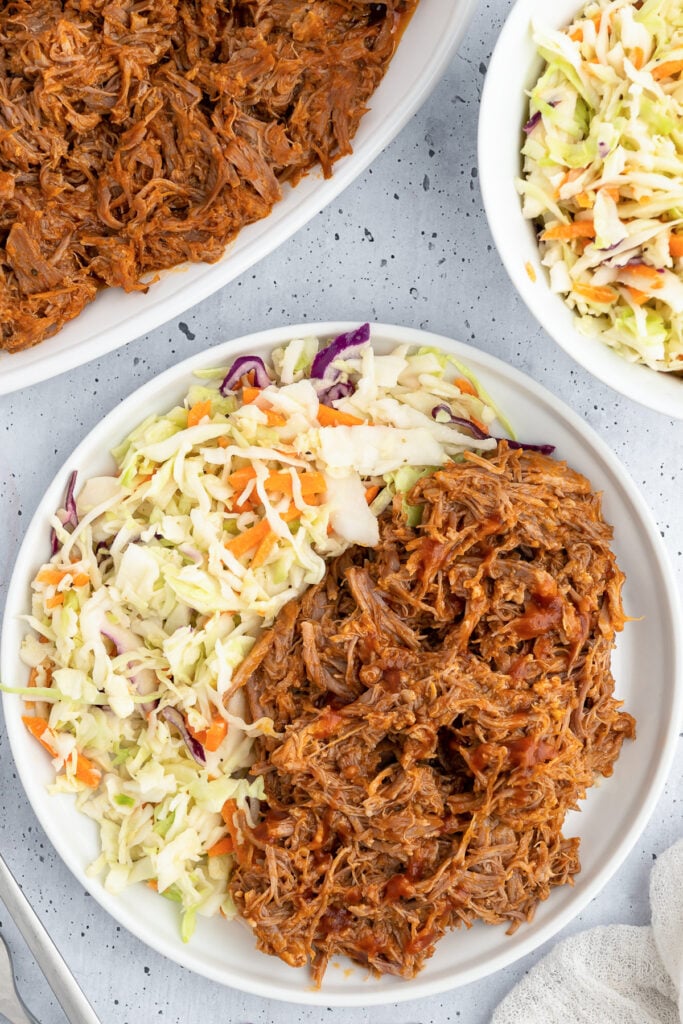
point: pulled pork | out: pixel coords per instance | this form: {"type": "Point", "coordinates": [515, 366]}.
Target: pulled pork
{"type": "Point", "coordinates": [137, 134]}
{"type": "Point", "coordinates": [443, 701]}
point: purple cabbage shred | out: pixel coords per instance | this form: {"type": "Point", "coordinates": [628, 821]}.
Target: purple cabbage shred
{"type": "Point", "coordinates": [544, 449]}
{"type": "Point", "coordinates": [348, 345]}
{"type": "Point", "coordinates": [242, 366]}
{"type": "Point", "coordinates": [70, 509]}
{"type": "Point", "coordinates": [195, 748]}
{"type": "Point", "coordinates": [460, 421]}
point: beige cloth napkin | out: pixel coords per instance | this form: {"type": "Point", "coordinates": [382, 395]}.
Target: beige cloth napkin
{"type": "Point", "coordinates": [618, 974]}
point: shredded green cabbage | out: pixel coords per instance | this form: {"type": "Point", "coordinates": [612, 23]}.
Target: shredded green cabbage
{"type": "Point", "coordinates": [603, 174]}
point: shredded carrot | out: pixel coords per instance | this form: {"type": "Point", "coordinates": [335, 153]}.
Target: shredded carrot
{"type": "Point", "coordinates": [577, 35]}
{"type": "Point", "coordinates": [225, 845]}
{"type": "Point", "coordinates": [565, 232]}
{"type": "Point", "coordinates": [668, 69]}
{"type": "Point", "coordinates": [647, 274]}
{"type": "Point", "coordinates": [212, 737]}
{"type": "Point", "coordinates": [264, 549]}
{"type": "Point", "coordinates": [55, 600]}
{"type": "Point", "coordinates": [86, 772]}
{"type": "Point", "coordinates": [153, 884]}
{"type": "Point", "coordinates": [638, 57]}
{"type": "Point", "coordinates": [603, 296]}
{"type": "Point", "coordinates": [371, 493]}
{"type": "Point", "coordinates": [465, 386]}
{"type": "Point", "coordinates": [40, 729]}
{"type": "Point", "coordinates": [223, 442]}
{"type": "Point", "coordinates": [279, 482]}
{"type": "Point", "coordinates": [251, 538]}
{"type": "Point", "coordinates": [676, 245]}
{"type": "Point", "coordinates": [637, 297]}
{"type": "Point", "coordinates": [584, 200]}
{"type": "Point", "coordinates": [329, 417]}
{"type": "Point", "coordinates": [612, 192]}
{"type": "Point", "coordinates": [250, 395]}
{"type": "Point", "coordinates": [481, 426]}
{"type": "Point", "coordinates": [275, 419]}
{"type": "Point", "coordinates": [531, 274]}
{"type": "Point", "coordinates": [53, 577]}
{"type": "Point", "coordinates": [597, 21]}
{"type": "Point", "coordinates": [198, 412]}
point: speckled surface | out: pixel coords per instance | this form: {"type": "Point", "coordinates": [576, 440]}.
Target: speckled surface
{"type": "Point", "coordinates": [407, 243]}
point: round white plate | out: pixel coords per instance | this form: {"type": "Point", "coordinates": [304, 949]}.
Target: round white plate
{"type": "Point", "coordinates": [115, 318]}
{"type": "Point", "coordinates": [513, 70]}
{"type": "Point", "coordinates": [647, 666]}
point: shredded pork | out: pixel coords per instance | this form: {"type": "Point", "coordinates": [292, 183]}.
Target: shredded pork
{"type": "Point", "coordinates": [137, 134]}
{"type": "Point", "coordinates": [443, 701]}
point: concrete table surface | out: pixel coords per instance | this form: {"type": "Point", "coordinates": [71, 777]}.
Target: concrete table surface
{"type": "Point", "coordinates": [407, 243]}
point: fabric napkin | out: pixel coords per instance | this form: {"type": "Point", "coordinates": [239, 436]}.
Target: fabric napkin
{"type": "Point", "coordinates": [619, 974]}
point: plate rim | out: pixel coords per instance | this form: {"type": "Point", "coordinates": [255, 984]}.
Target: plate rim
{"type": "Point", "coordinates": [262, 340]}
{"type": "Point", "coordinates": [650, 388]}
{"type": "Point", "coordinates": [232, 265]}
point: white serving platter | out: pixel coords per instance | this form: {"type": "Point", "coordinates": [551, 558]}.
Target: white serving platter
{"type": "Point", "coordinates": [647, 664]}
{"type": "Point", "coordinates": [115, 318]}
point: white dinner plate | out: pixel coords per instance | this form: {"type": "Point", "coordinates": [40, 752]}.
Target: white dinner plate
{"type": "Point", "coordinates": [647, 667]}
{"type": "Point", "coordinates": [115, 318]}
{"type": "Point", "coordinates": [513, 70]}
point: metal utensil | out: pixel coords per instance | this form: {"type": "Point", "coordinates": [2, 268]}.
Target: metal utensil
{"type": "Point", "coordinates": [12, 1005]}
{"type": "Point", "coordinates": [60, 979]}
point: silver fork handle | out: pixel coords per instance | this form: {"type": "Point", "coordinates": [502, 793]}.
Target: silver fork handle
{"type": "Point", "coordinates": [60, 979]}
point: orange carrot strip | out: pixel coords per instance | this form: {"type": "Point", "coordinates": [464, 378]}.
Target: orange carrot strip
{"type": "Point", "coordinates": [225, 845]}
{"type": "Point", "coordinates": [241, 477]}
{"type": "Point", "coordinates": [153, 884]}
{"type": "Point", "coordinates": [603, 296]}
{"type": "Point", "coordinates": [252, 537]}
{"type": "Point", "coordinates": [565, 232]}
{"type": "Point", "coordinates": [577, 35]}
{"type": "Point", "coordinates": [264, 549]}
{"type": "Point", "coordinates": [676, 245]}
{"type": "Point", "coordinates": [275, 419]}
{"type": "Point", "coordinates": [212, 737]}
{"type": "Point", "coordinates": [40, 729]}
{"type": "Point", "coordinates": [86, 772]}
{"type": "Point", "coordinates": [638, 57]}
{"type": "Point", "coordinates": [198, 412]}
{"type": "Point", "coordinates": [465, 386]}
{"type": "Point", "coordinates": [371, 493]}
{"type": "Point", "coordinates": [668, 69]}
{"type": "Point", "coordinates": [329, 417]}
{"type": "Point", "coordinates": [51, 576]}
{"type": "Point", "coordinates": [647, 274]}
{"type": "Point", "coordinates": [250, 395]}
{"type": "Point", "coordinates": [584, 200]}
{"type": "Point", "coordinates": [279, 482]}
{"type": "Point", "coordinates": [612, 192]}
{"type": "Point", "coordinates": [223, 442]}
{"type": "Point", "coordinates": [638, 298]}
{"type": "Point", "coordinates": [55, 600]}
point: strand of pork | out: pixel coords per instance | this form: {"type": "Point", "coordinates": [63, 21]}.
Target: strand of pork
{"type": "Point", "coordinates": [138, 134]}
{"type": "Point", "coordinates": [443, 701]}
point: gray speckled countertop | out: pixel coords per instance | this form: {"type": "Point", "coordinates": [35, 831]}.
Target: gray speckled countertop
{"type": "Point", "coordinates": [408, 243]}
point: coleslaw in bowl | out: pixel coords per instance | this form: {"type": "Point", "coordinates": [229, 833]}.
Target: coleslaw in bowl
{"type": "Point", "coordinates": [515, 71]}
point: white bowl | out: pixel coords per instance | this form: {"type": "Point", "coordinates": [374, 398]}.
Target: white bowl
{"type": "Point", "coordinates": [647, 665]}
{"type": "Point", "coordinates": [514, 69]}
{"type": "Point", "coordinates": [115, 318]}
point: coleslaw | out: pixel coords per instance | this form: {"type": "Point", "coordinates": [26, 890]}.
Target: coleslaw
{"type": "Point", "coordinates": [164, 574]}
{"type": "Point", "coordinates": [603, 174]}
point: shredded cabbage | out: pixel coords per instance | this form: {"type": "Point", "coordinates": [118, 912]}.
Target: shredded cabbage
{"type": "Point", "coordinates": [603, 174]}
{"type": "Point", "coordinates": [214, 516]}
